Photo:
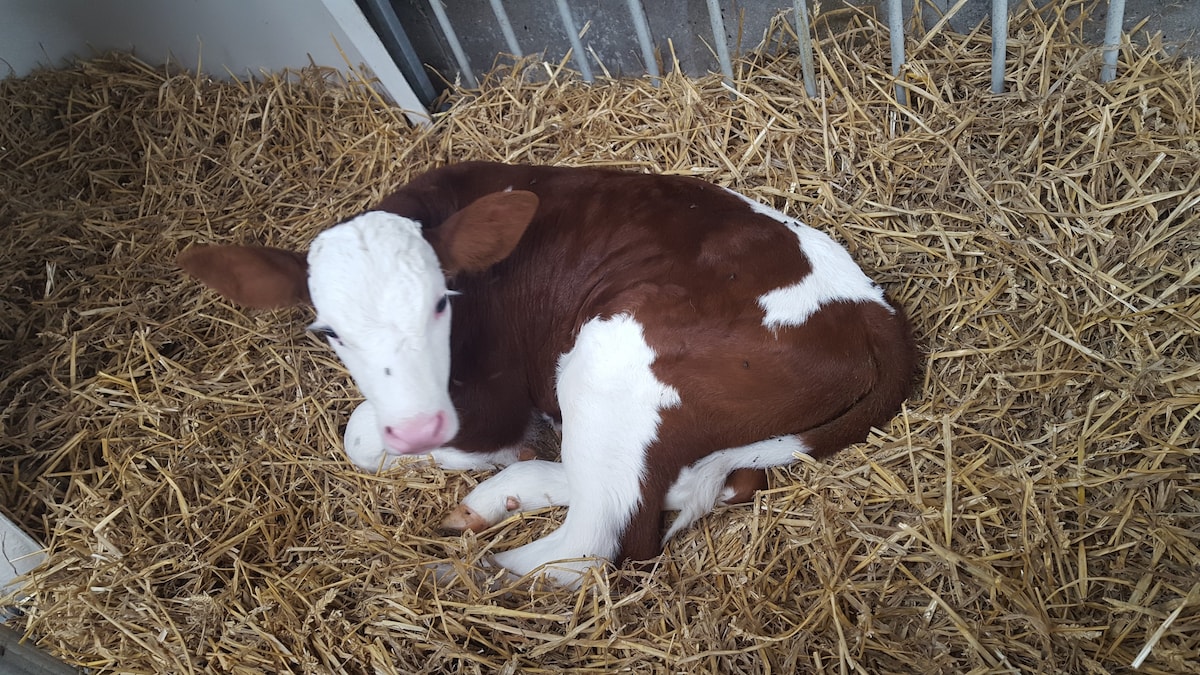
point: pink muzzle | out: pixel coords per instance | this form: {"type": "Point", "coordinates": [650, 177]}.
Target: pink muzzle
{"type": "Point", "coordinates": [417, 434]}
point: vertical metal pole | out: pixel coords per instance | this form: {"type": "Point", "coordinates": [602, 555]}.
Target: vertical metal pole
{"type": "Point", "coordinates": [896, 34]}
{"type": "Point", "coordinates": [568, 23]}
{"type": "Point", "coordinates": [999, 43]}
{"type": "Point", "coordinates": [510, 37]}
{"type": "Point", "coordinates": [394, 37]}
{"type": "Point", "coordinates": [642, 26]}
{"type": "Point", "coordinates": [464, 66]}
{"type": "Point", "coordinates": [718, 31]}
{"type": "Point", "coordinates": [1112, 39]}
{"type": "Point", "coordinates": [804, 33]}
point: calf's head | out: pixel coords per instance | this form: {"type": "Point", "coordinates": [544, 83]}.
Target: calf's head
{"type": "Point", "coordinates": [378, 284]}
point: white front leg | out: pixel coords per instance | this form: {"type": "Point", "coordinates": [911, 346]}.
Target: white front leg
{"type": "Point", "coordinates": [520, 487]}
{"type": "Point", "coordinates": [610, 402]}
{"type": "Point", "coordinates": [536, 484]}
{"type": "Point", "coordinates": [365, 447]}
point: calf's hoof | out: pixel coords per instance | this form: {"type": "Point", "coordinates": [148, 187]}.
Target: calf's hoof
{"type": "Point", "coordinates": [464, 518]}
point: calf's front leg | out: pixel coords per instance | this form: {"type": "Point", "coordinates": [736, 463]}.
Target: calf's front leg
{"type": "Point", "coordinates": [528, 486]}
{"type": "Point", "coordinates": [611, 403]}
{"type": "Point", "coordinates": [520, 487]}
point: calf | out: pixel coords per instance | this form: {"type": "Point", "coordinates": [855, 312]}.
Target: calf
{"type": "Point", "coordinates": [678, 332]}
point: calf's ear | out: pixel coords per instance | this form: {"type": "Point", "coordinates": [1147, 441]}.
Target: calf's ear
{"type": "Point", "coordinates": [251, 276]}
{"type": "Point", "coordinates": [484, 232]}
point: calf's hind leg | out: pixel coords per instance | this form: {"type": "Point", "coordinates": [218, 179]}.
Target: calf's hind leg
{"type": "Point", "coordinates": [611, 403]}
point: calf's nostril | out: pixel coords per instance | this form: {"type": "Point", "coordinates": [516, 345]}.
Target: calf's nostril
{"type": "Point", "coordinates": [418, 432]}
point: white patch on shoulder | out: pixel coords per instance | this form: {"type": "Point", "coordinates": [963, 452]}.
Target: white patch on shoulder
{"type": "Point", "coordinates": [611, 408]}
{"type": "Point", "coordinates": [835, 276]}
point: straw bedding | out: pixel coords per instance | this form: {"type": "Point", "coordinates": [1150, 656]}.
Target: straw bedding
{"type": "Point", "coordinates": [1035, 507]}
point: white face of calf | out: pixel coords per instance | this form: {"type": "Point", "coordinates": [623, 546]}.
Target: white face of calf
{"type": "Point", "coordinates": [380, 293]}
{"type": "Point", "coordinates": [381, 301]}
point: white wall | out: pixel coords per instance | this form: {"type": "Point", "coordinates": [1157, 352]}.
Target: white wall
{"type": "Point", "coordinates": [221, 36]}
{"type": "Point", "coordinates": [18, 555]}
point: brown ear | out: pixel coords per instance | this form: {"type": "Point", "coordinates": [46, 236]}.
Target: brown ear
{"type": "Point", "coordinates": [252, 276]}
{"type": "Point", "coordinates": [484, 232]}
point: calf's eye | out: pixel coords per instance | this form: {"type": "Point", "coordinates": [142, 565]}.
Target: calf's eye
{"type": "Point", "coordinates": [442, 304]}
{"type": "Point", "coordinates": [323, 331]}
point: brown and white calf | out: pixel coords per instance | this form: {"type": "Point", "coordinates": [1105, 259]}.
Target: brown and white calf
{"type": "Point", "coordinates": [678, 331]}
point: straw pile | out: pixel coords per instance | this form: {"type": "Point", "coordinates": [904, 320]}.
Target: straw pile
{"type": "Point", "coordinates": [1034, 508]}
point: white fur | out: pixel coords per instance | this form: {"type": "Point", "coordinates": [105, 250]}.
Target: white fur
{"type": "Point", "coordinates": [365, 448]}
{"type": "Point", "coordinates": [702, 484]}
{"type": "Point", "coordinates": [611, 403]}
{"type": "Point", "coordinates": [375, 281]}
{"type": "Point", "coordinates": [537, 484]}
{"type": "Point", "coordinates": [834, 277]}
{"type": "Point", "coordinates": [534, 484]}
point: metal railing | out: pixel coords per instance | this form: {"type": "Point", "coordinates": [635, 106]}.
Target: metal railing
{"type": "Point", "coordinates": [393, 35]}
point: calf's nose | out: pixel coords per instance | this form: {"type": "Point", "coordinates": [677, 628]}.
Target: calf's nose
{"type": "Point", "coordinates": [419, 433]}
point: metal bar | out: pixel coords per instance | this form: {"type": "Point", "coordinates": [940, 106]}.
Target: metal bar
{"type": "Point", "coordinates": [896, 35]}
{"type": "Point", "coordinates": [718, 31]}
{"type": "Point", "coordinates": [999, 44]}
{"type": "Point", "coordinates": [568, 22]}
{"type": "Point", "coordinates": [642, 27]}
{"type": "Point", "coordinates": [464, 66]}
{"type": "Point", "coordinates": [18, 657]}
{"type": "Point", "coordinates": [1112, 39]}
{"type": "Point", "coordinates": [510, 37]}
{"type": "Point", "coordinates": [804, 33]}
{"type": "Point", "coordinates": [400, 47]}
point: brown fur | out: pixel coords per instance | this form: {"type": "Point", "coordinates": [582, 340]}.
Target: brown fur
{"type": "Point", "coordinates": [256, 276]}
{"type": "Point", "coordinates": [685, 258]}
{"type": "Point", "coordinates": [688, 260]}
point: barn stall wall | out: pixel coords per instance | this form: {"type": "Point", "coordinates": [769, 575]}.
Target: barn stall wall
{"type": "Point", "coordinates": [218, 37]}
{"type": "Point", "coordinates": [977, 321]}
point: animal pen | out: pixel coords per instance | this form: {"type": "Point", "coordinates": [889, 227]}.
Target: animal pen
{"type": "Point", "coordinates": [1035, 507]}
